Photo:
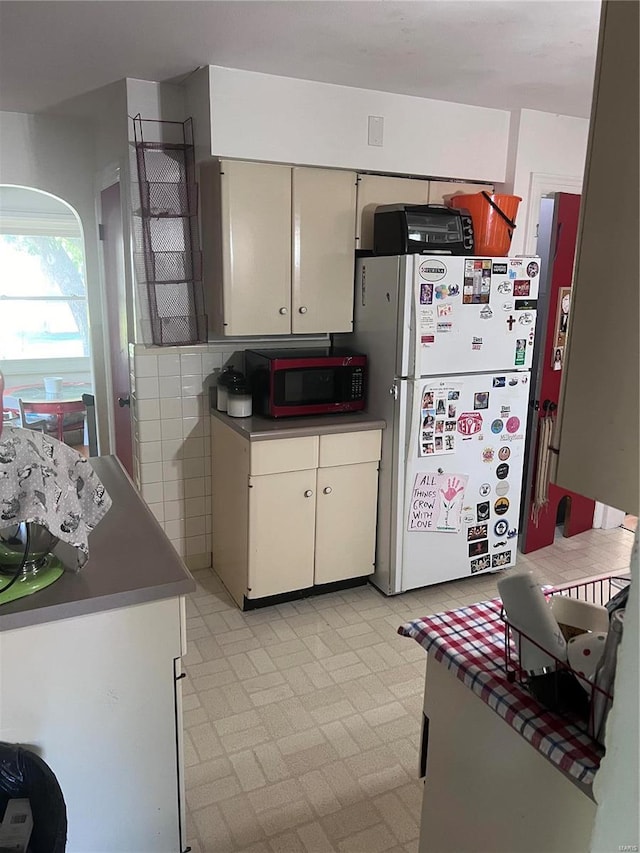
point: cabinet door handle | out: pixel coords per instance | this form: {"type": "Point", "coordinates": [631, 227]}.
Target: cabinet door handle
{"type": "Point", "coordinates": [308, 493]}
{"type": "Point", "coordinates": [424, 746]}
{"type": "Point", "coordinates": [302, 309]}
{"type": "Point", "coordinates": [327, 490]}
{"type": "Point", "coordinates": [283, 310]}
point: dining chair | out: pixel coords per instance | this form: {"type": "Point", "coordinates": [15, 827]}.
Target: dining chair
{"type": "Point", "coordinates": [38, 424]}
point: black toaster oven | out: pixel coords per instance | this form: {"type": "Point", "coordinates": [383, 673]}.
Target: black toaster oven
{"type": "Point", "coordinates": [407, 229]}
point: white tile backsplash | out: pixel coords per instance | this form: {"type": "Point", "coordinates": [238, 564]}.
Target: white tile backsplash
{"type": "Point", "coordinates": [171, 428]}
{"type": "Point", "coordinates": [170, 408]}
{"type": "Point", "coordinates": [169, 364]}
{"type": "Point", "coordinates": [170, 387]}
{"type": "Point", "coordinates": [147, 388]}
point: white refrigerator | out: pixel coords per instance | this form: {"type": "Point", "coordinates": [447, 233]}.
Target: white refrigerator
{"type": "Point", "coordinates": [449, 342]}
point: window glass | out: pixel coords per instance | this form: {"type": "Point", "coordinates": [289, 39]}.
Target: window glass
{"type": "Point", "coordinates": [43, 297]}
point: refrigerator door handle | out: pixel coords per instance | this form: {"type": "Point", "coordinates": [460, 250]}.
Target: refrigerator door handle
{"type": "Point", "coordinates": [393, 391]}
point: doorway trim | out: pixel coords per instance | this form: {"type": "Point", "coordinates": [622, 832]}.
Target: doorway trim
{"type": "Point", "coordinates": [542, 184]}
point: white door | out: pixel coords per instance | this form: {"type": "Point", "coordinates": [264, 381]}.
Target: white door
{"type": "Point", "coordinates": [346, 521]}
{"type": "Point", "coordinates": [256, 248]}
{"type": "Point", "coordinates": [462, 497]}
{"type": "Point", "coordinates": [324, 213]}
{"type": "Point", "coordinates": [281, 532]}
{"type": "Point", "coordinates": [472, 314]}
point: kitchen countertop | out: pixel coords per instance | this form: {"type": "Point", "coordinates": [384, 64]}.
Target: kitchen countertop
{"type": "Point", "coordinates": [131, 561]}
{"type": "Point", "coordinates": [258, 428]}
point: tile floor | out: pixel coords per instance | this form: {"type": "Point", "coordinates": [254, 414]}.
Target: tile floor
{"type": "Point", "coordinates": [302, 719]}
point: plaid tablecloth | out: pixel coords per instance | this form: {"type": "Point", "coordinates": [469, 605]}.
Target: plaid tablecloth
{"type": "Point", "coordinates": [470, 643]}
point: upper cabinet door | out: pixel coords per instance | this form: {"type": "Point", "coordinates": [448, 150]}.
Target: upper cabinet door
{"type": "Point", "coordinates": [324, 210]}
{"type": "Point", "coordinates": [379, 189]}
{"type": "Point", "coordinates": [440, 191]}
{"type": "Point", "coordinates": [256, 248]}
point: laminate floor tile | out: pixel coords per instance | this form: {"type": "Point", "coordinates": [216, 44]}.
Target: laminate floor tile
{"type": "Point", "coordinates": [302, 720]}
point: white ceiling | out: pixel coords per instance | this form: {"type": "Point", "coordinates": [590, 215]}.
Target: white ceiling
{"type": "Point", "coordinates": [508, 54]}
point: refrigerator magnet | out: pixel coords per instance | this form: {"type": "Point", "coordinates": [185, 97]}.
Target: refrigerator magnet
{"type": "Point", "coordinates": [533, 269]}
{"type": "Point", "coordinates": [504, 453]}
{"type": "Point", "coordinates": [496, 426]}
{"type": "Point", "coordinates": [521, 346]}
{"type": "Point", "coordinates": [507, 306]}
{"type": "Point", "coordinates": [484, 490]}
{"type": "Point", "coordinates": [469, 423]}
{"type": "Point", "coordinates": [513, 424]}
{"type": "Point", "coordinates": [499, 268]}
{"type": "Point", "coordinates": [502, 471]}
{"type": "Point", "coordinates": [502, 488]}
{"type": "Point", "coordinates": [481, 400]}
{"type": "Point", "coordinates": [499, 381]}
{"type": "Point", "coordinates": [502, 559]}
{"type": "Point", "coordinates": [453, 395]}
{"type": "Point", "coordinates": [426, 293]}
{"type": "Point", "coordinates": [476, 343]}
{"type": "Point", "coordinates": [501, 506]}
{"type": "Point", "coordinates": [488, 454]}
{"type": "Point", "coordinates": [504, 288]}
{"type": "Point", "coordinates": [480, 564]}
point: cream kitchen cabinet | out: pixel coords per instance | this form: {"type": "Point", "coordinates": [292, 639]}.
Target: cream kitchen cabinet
{"type": "Point", "coordinates": [383, 189]}
{"type": "Point", "coordinates": [277, 248]}
{"type": "Point", "coordinates": [293, 513]}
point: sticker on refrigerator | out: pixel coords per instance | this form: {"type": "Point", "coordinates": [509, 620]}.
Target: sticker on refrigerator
{"type": "Point", "coordinates": [526, 304]}
{"type": "Point", "coordinates": [533, 269]}
{"type": "Point", "coordinates": [504, 453]}
{"type": "Point", "coordinates": [502, 488]}
{"type": "Point", "coordinates": [480, 564]}
{"type": "Point", "coordinates": [505, 287]}
{"type": "Point", "coordinates": [476, 343]}
{"type": "Point", "coordinates": [476, 549]}
{"type": "Point", "coordinates": [432, 270]}
{"type": "Point", "coordinates": [501, 527]}
{"type": "Point", "coordinates": [501, 506]}
{"type": "Point", "coordinates": [486, 313]}
{"type": "Point", "coordinates": [499, 381]}
{"type": "Point", "coordinates": [469, 423]}
{"type": "Point", "coordinates": [502, 471]}
{"type": "Point", "coordinates": [513, 424]}
{"type": "Point", "coordinates": [445, 310]}
{"type": "Point", "coordinates": [478, 531]}
{"type": "Point", "coordinates": [488, 454]}
{"type": "Point", "coordinates": [481, 400]}
{"type": "Point", "coordinates": [477, 282]}
{"type": "Point", "coordinates": [426, 293]}
{"type": "Point", "coordinates": [521, 287]}
{"type": "Point", "coordinates": [526, 318]}
{"type": "Point", "coordinates": [484, 490]}
{"type": "Point", "coordinates": [496, 426]}
{"type": "Point", "coordinates": [482, 511]}
{"type": "Point", "coordinates": [521, 346]}
{"type": "Point", "coordinates": [444, 326]}
{"type": "Point", "coordinates": [467, 515]}
{"type": "Point", "coordinates": [436, 502]}
{"type": "Point", "coordinates": [427, 325]}
{"type": "Point", "coordinates": [502, 559]}
{"type": "Point", "coordinates": [499, 269]}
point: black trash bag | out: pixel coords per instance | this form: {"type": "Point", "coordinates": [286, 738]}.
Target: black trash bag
{"type": "Point", "coordinates": [23, 774]}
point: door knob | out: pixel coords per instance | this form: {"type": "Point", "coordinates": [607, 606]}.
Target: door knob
{"type": "Point", "coordinates": [302, 309]}
{"type": "Point", "coordinates": [327, 490]}
{"type": "Point", "coordinates": [283, 310]}
{"type": "Point", "coordinates": [124, 401]}
{"type": "Point", "coordinates": [308, 493]}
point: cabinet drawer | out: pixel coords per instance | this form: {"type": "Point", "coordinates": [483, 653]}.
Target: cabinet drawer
{"type": "Point", "coordinates": [286, 454]}
{"type": "Point", "coordinates": [347, 448]}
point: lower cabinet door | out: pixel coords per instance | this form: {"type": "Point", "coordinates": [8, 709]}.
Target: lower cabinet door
{"type": "Point", "coordinates": [346, 521]}
{"type": "Point", "coordinates": [281, 532]}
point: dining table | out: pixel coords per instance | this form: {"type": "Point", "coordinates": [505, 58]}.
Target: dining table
{"type": "Point", "coordinates": [67, 401]}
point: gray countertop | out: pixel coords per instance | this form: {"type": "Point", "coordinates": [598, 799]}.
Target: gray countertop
{"type": "Point", "coordinates": [258, 428]}
{"type": "Point", "coordinates": [131, 561]}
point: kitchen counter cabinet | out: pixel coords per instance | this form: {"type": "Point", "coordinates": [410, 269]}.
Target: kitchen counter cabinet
{"type": "Point", "coordinates": [278, 248]}
{"type": "Point", "coordinates": [384, 189]}
{"type": "Point", "coordinates": [91, 680]}
{"type": "Point", "coordinates": [486, 788]}
{"type": "Point", "coordinates": [292, 514]}
{"type": "Point", "coordinates": [441, 191]}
